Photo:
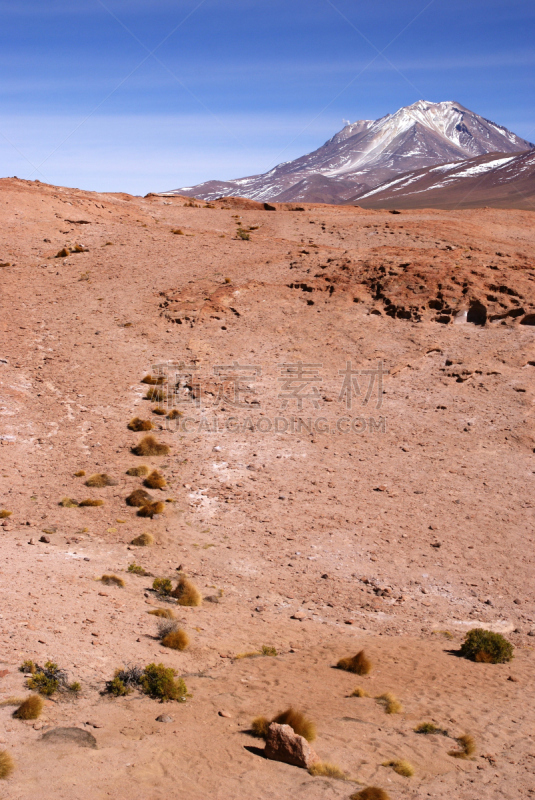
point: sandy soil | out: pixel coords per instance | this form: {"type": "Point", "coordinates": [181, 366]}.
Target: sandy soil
{"type": "Point", "coordinates": [393, 525]}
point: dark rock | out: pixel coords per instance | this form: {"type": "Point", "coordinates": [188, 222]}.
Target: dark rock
{"type": "Point", "coordinates": [70, 736]}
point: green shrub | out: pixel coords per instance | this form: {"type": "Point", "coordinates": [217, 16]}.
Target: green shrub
{"type": "Point", "coordinates": [46, 680]}
{"type": "Point", "coordinates": [487, 647]}
{"type": "Point", "coordinates": [163, 586]}
{"type": "Point", "coordinates": [136, 569]}
{"type": "Point", "coordinates": [159, 682]}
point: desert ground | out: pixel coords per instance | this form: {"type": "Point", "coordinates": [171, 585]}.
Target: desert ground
{"type": "Point", "coordinates": [352, 469]}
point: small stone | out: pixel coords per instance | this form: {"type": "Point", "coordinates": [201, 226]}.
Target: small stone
{"type": "Point", "coordinates": [517, 601]}
{"type": "Point", "coordinates": [93, 724]}
{"type": "Point", "coordinates": [299, 615]}
{"type": "Point", "coordinates": [164, 718]}
{"type": "Point", "coordinates": [489, 602]}
{"type": "Point", "coordinates": [283, 744]}
{"type": "Point", "coordinates": [349, 622]}
{"type": "Point", "coordinates": [225, 714]}
{"type": "Point", "coordinates": [512, 678]}
{"type": "Point", "coordinates": [41, 641]}
{"type": "Point", "coordinates": [325, 575]}
{"type": "Point", "coordinates": [102, 594]}
{"type": "Point", "coordinates": [381, 488]}
{"type": "Point", "coordinates": [260, 608]}
{"type": "Point", "coordinates": [32, 541]}
{"type": "Point", "coordinates": [45, 539]}
{"type": "Point", "coordinates": [212, 598]}
{"type": "Point", "coordinates": [531, 633]}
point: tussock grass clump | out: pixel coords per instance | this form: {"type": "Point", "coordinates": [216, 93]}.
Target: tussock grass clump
{"type": "Point", "coordinates": [467, 744]}
{"type": "Point", "coordinates": [296, 720]}
{"type": "Point", "coordinates": [159, 410]}
{"type": "Point", "coordinates": [265, 651]}
{"type": "Point", "coordinates": [164, 613]}
{"type": "Point", "coordinates": [487, 647]}
{"type": "Point", "coordinates": [100, 480]}
{"type": "Point", "coordinates": [150, 446]}
{"type": "Point", "coordinates": [7, 765]}
{"type": "Point", "coordinates": [401, 767]}
{"type": "Point", "coordinates": [359, 664]}
{"type": "Point", "coordinates": [138, 472]}
{"type": "Point", "coordinates": [327, 770]}
{"type": "Point", "coordinates": [359, 692]}
{"type": "Point", "coordinates": [163, 586]}
{"type": "Point", "coordinates": [427, 728]}
{"type": "Point", "coordinates": [390, 702]}
{"type": "Point", "coordinates": [48, 679]}
{"type": "Point", "coordinates": [175, 413]}
{"type": "Point", "coordinates": [90, 502]}
{"type": "Point", "coordinates": [155, 480]}
{"type": "Point", "coordinates": [137, 424]}
{"type": "Point", "coordinates": [370, 793]}
{"type": "Point", "coordinates": [11, 701]}
{"type": "Point", "coordinates": [178, 232]}
{"type": "Point", "coordinates": [154, 394]}
{"type": "Point", "coordinates": [153, 380]}
{"type": "Point", "coordinates": [159, 682]}
{"type": "Point", "coordinates": [5, 514]}
{"type": "Point", "coordinates": [113, 580]}
{"type": "Point", "coordinates": [80, 473]}
{"type": "Point", "coordinates": [30, 708]}
{"type": "Point", "coordinates": [139, 498]}
{"type": "Point", "coordinates": [260, 727]}
{"type": "Point", "coordinates": [143, 540]}
{"type": "Point", "coordinates": [176, 639]}
{"type": "Point", "coordinates": [151, 509]}
{"type": "Point", "coordinates": [63, 253]}
{"type": "Point", "coordinates": [187, 593]}
{"type": "Point", "coordinates": [68, 502]}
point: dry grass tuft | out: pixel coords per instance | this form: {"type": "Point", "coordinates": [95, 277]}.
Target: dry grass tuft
{"type": "Point", "coordinates": [11, 701]}
{"type": "Point", "coordinates": [151, 380]}
{"type": "Point", "coordinates": [138, 472]}
{"type": "Point", "coordinates": [176, 640]}
{"type": "Point", "coordinates": [260, 726]}
{"type": "Point", "coordinates": [178, 232]}
{"type": "Point", "coordinates": [404, 768]}
{"type": "Point", "coordinates": [139, 498]}
{"type": "Point", "coordinates": [149, 446]}
{"type": "Point", "coordinates": [164, 613]}
{"type": "Point", "coordinates": [80, 473]}
{"type": "Point", "coordinates": [100, 480]}
{"type": "Point", "coordinates": [90, 502]}
{"type": "Point", "coordinates": [7, 765]}
{"type": "Point", "coordinates": [390, 702]}
{"type": "Point", "coordinates": [155, 480]}
{"type": "Point", "coordinates": [359, 692]}
{"type": "Point", "coordinates": [137, 424]}
{"type": "Point", "coordinates": [174, 414]}
{"type": "Point", "coordinates": [5, 514]}
{"type": "Point", "coordinates": [151, 509]}
{"type": "Point", "coordinates": [154, 394]}
{"type": "Point", "coordinates": [113, 580]}
{"type": "Point", "coordinates": [370, 793]}
{"type": "Point", "coordinates": [327, 770]}
{"type": "Point", "coordinates": [63, 253]}
{"type": "Point", "coordinates": [187, 593]}
{"type": "Point", "coordinates": [468, 747]}
{"type": "Point", "coordinates": [159, 410]}
{"type": "Point", "coordinates": [296, 720]}
{"type": "Point", "coordinates": [30, 708]}
{"type": "Point", "coordinates": [143, 540]}
{"type": "Point", "coordinates": [359, 664]}
{"type": "Point", "coordinates": [429, 727]}
{"type": "Point", "coordinates": [68, 502]}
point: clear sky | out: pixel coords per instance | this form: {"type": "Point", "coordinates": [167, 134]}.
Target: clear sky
{"type": "Point", "coordinates": [148, 95]}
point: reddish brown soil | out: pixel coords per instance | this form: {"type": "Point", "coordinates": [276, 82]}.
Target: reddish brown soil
{"type": "Point", "coordinates": [318, 541]}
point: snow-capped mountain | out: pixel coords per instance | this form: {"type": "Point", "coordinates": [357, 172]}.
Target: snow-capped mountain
{"type": "Point", "coordinates": [491, 180]}
{"type": "Point", "coordinates": [366, 153]}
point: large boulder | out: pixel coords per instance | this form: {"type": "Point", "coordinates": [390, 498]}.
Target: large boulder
{"type": "Point", "coordinates": [283, 744]}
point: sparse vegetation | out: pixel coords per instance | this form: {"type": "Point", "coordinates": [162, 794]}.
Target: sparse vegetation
{"type": "Point", "coordinates": [359, 664]}
{"type": "Point", "coordinates": [30, 708]}
{"type": "Point", "coordinates": [159, 410]}
{"type": "Point", "coordinates": [163, 586]}
{"type": "Point", "coordinates": [63, 253]}
{"type": "Point", "coordinates": [68, 502]}
{"type": "Point", "coordinates": [138, 472]}
{"type": "Point", "coordinates": [149, 446]}
{"type": "Point", "coordinates": [80, 473]}
{"type": "Point", "coordinates": [427, 728]}
{"type": "Point", "coordinates": [155, 480]}
{"type": "Point", "coordinates": [401, 767]}
{"type": "Point", "coordinates": [90, 502]}
{"type": "Point", "coordinates": [46, 680]}
{"type": "Point", "coordinates": [164, 613]}
{"type": "Point", "coordinates": [370, 793]}
{"type": "Point", "coordinates": [143, 540]}
{"type": "Point", "coordinates": [295, 719]}
{"type": "Point", "coordinates": [174, 414]}
{"type": "Point", "coordinates": [359, 692]}
{"type": "Point", "coordinates": [7, 765]}
{"type": "Point", "coordinates": [178, 232]}
{"type": "Point", "coordinates": [137, 424]}
{"type": "Point", "coordinates": [327, 770]}
{"type": "Point", "coordinates": [152, 380]}
{"type": "Point", "coordinates": [187, 593]}
{"type": "Point", "coordinates": [151, 509]}
{"type": "Point", "coordinates": [241, 233]}
{"type": "Point", "coordinates": [100, 480]}
{"type": "Point", "coordinates": [124, 681]}
{"type": "Point", "coordinates": [265, 651]}
{"type": "Point", "coordinates": [136, 569]}
{"type": "Point", "coordinates": [268, 651]}
{"type": "Point", "coordinates": [5, 514]}
{"type": "Point", "coordinates": [172, 636]}
{"type": "Point", "coordinates": [113, 580]}
{"type": "Point", "coordinates": [156, 395]}
{"type": "Point", "coordinates": [159, 682]}
{"type": "Point", "coordinates": [260, 726]}
{"type": "Point", "coordinates": [487, 647]}
{"type": "Point", "coordinates": [139, 498]}
{"type": "Point", "coordinates": [467, 745]}
{"type": "Point", "coordinates": [390, 702]}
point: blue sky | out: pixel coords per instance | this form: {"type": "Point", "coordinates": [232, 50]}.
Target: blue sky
{"type": "Point", "coordinates": [139, 95]}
